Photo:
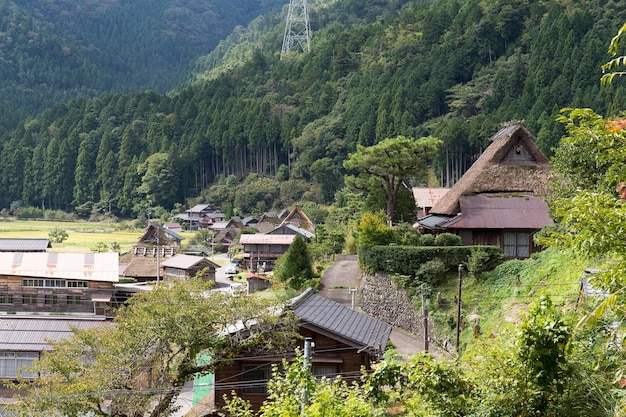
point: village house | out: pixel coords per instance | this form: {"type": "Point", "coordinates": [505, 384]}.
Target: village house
{"type": "Point", "coordinates": [201, 216]}
{"type": "Point", "coordinates": [61, 283]}
{"type": "Point", "coordinates": [500, 200]}
{"type": "Point", "coordinates": [23, 339]}
{"type": "Point", "coordinates": [260, 250]}
{"type": "Point", "coordinates": [345, 342]}
{"type": "Point", "coordinates": [426, 198]}
{"type": "Point", "coordinates": [180, 267]}
{"type": "Point", "coordinates": [156, 245]}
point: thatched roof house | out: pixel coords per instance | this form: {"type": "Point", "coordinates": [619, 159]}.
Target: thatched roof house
{"type": "Point", "coordinates": [500, 199]}
{"type": "Point", "coordinates": [156, 245]}
{"type": "Point", "coordinates": [511, 163]}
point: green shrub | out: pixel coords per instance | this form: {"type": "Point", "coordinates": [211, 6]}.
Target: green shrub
{"type": "Point", "coordinates": [432, 272]}
{"type": "Point", "coordinates": [482, 261]}
{"type": "Point", "coordinates": [426, 240]}
{"type": "Point", "coordinates": [447, 239]}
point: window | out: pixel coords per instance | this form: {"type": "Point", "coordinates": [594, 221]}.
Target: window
{"type": "Point", "coordinates": [13, 362]}
{"type": "Point", "coordinates": [255, 378]}
{"type": "Point", "coordinates": [47, 283]}
{"type": "Point", "coordinates": [77, 284]}
{"type": "Point", "coordinates": [6, 299]}
{"type": "Point", "coordinates": [517, 245]}
{"type": "Point", "coordinates": [50, 299]}
{"type": "Point", "coordinates": [32, 283]}
{"type": "Point", "coordinates": [29, 299]}
{"type": "Point", "coordinates": [73, 300]}
{"type": "Point", "coordinates": [329, 371]}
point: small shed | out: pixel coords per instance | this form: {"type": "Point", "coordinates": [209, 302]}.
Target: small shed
{"type": "Point", "coordinates": [181, 267]}
{"type": "Point", "coordinates": [257, 282]}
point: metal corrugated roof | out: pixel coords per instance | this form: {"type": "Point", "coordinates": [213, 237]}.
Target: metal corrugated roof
{"type": "Point", "coordinates": [24, 244]}
{"type": "Point", "coordinates": [501, 211]}
{"type": "Point", "coordinates": [29, 334]}
{"type": "Point", "coordinates": [427, 197]}
{"type": "Point", "coordinates": [433, 221]}
{"type": "Point", "coordinates": [261, 239]}
{"type": "Point", "coordinates": [184, 261]}
{"type": "Point", "coordinates": [79, 266]}
{"type": "Point", "coordinates": [359, 330]}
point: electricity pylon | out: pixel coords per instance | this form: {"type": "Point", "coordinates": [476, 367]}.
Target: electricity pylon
{"type": "Point", "coordinates": [297, 29]}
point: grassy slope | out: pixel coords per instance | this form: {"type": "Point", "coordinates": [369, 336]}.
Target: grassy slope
{"type": "Point", "coordinates": [499, 298]}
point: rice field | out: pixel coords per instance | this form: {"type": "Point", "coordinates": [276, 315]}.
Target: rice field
{"type": "Point", "coordinates": [82, 236]}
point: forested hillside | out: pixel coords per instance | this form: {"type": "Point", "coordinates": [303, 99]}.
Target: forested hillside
{"type": "Point", "coordinates": [448, 68]}
{"type": "Point", "coordinates": [52, 51]}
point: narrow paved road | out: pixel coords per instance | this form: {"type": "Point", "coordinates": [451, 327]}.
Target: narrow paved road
{"type": "Point", "coordinates": [336, 282]}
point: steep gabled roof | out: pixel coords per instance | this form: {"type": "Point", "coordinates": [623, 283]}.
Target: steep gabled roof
{"type": "Point", "coordinates": [341, 323]}
{"type": "Point", "coordinates": [165, 236]}
{"type": "Point", "coordinates": [299, 218]}
{"type": "Point", "coordinates": [511, 163]}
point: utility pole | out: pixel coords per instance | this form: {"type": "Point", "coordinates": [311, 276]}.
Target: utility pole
{"type": "Point", "coordinates": [308, 356]}
{"type": "Point", "coordinates": [425, 319]}
{"type": "Point", "coordinates": [458, 310]}
{"type": "Point", "coordinates": [158, 232]}
{"type": "Point", "coordinates": [297, 30]}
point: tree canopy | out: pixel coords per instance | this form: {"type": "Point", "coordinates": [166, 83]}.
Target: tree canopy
{"type": "Point", "coordinates": [141, 361]}
{"type": "Point", "coordinates": [391, 162]}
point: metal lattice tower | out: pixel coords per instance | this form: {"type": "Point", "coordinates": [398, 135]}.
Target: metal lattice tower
{"type": "Point", "coordinates": [297, 30]}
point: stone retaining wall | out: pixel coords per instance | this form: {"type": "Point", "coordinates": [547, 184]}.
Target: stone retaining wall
{"type": "Point", "coordinates": [382, 298]}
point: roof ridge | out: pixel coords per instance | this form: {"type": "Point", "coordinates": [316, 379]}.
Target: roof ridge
{"type": "Point", "coordinates": [297, 301]}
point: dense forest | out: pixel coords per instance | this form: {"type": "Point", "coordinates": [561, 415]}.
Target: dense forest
{"type": "Point", "coordinates": [449, 68]}
{"type": "Point", "coordinates": [53, 51]}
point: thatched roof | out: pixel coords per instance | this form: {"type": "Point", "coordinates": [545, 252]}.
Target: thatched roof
{"type": "Point", "coordinates": [298, 218]}
{"type": "Point", "coordinates": [511, 163]}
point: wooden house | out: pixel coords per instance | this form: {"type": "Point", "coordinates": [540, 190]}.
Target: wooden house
{"type": "Point", "coordinates": [500, 199]}
{"type": "Point", "coordinates": [23, 339]}
{"type": "Point", "coordinates": [201, 216]}
{"type": "Point", "coordinates": [180, 267]}
{"type": "Point", "coordinates": [345, 342]}
{"type": "Point", "coordinates": [62, 283]}
{"type": "Point", "coordinates": [260, 250]}
{"type": "Point", "coordinates": [156, 245]}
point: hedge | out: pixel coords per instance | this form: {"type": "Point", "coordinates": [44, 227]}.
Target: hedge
{"type": "Point", "coordinates": [407, 260]}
